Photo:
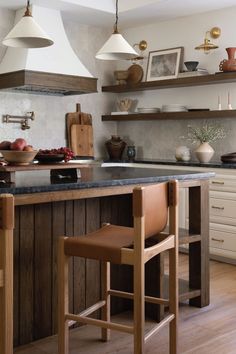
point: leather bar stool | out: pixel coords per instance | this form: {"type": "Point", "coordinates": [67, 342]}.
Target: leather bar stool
{"type": "Point", "coordinates": [123, 245]}
{"type": "Point", "coordinates": [6, 273]}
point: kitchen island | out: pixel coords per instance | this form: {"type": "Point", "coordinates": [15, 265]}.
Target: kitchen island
{"type": "Point", "coordinates": [47, 208]}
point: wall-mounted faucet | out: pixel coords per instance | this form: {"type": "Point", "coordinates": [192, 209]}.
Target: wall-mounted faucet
{"type": "Point", "coordinates": [23, 120]}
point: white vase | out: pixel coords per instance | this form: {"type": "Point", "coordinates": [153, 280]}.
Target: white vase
{"type": "Point", "coordinates": [204, 152]}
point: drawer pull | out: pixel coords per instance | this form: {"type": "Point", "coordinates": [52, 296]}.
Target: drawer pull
{"type": "Point", "coordinates": [217, 240]}
{"type": "Point", "coordinates": [218, 182]}
{"type": "Point", "coordinates": [216, 207]}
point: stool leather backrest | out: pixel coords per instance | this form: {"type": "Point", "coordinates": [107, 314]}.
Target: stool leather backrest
{"type": "Point", "coordinates": [152, 202]}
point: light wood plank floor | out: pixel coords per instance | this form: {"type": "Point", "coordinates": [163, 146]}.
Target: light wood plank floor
{"type": "Point", "coordinates": [210, 330]}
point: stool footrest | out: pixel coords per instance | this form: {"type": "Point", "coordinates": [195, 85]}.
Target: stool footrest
{"type": "Point", "coordinates": [159, 326]}
{"type": "Point", "coordinates": [100, 323]}
{"type": "Point", "coordinates": [126, 295]}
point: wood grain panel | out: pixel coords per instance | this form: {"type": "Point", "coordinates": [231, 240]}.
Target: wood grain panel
{"type": "Point", "coordinates": [79, 263]}
{"type": "Point", "coordinates": [69, 231]}
{"type": "Point", "coordinates": [92, 266]}
{"type": "Point", "coordinates": [26, 275]}
{"type": "Point", "coordinates": [58, 229]}
{"type": "Point", "coordinates": [43, 271]}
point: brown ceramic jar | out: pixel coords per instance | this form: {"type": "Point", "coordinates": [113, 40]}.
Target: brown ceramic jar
{"type": "Point", "coordinates": [115, 147]}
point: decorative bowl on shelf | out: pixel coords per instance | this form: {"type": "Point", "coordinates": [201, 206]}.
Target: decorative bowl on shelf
{"type": "Point", "coordinates": [191, 65]}
{"type": "Point", "coordinates": [18, 157]}
{"type": "Point", "coordinates": [49, 158]}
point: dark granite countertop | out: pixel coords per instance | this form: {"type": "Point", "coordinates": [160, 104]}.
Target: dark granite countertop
{"type": "Point", "coordinates": [212, 164]}
{"type": "Point", "coordinates": [94, 177]}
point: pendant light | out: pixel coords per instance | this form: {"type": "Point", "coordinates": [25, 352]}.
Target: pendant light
{"type": "Point", "coordinates": [27, 33]}
{"type": "Point", "coordinates": [116, 47]}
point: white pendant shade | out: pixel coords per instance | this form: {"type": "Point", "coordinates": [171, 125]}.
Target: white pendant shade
{"type": "Point", "coordinates": [116, 48]}
{"type": "Point", "coordinates": [27, 34]}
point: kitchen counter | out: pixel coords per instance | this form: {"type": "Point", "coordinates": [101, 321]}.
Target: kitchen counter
{"type": "Point", "coordinates": [46, 210]}
{"type": "Point", "coordinates": [211, 164]}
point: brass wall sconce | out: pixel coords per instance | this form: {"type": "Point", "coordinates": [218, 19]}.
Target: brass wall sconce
{"type": "Point", "coordinates": [23, 120]}
{"type": "Point", "coordinates": [208, 45]}
{"type": "Point", "coordinates": [140, 48]}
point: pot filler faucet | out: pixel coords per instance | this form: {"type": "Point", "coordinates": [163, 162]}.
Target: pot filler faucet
{"type": "Point", "coordinates": [23, 120]}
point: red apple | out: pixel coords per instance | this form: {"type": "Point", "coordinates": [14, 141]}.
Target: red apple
{"type": "Point", "coordinates": [28, 148]}
{"type": "Point", "coordinates": [5, 145]}
{"type": "Point", "coordinates": [18, 144]}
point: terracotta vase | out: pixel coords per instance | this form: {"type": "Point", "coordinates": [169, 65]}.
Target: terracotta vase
{"type": "Point", "coordinates": [230, 64]}
{"type": "Point", "coordinates": [115, 147]}
{"type": "Point", "coordinates": [204, 152]}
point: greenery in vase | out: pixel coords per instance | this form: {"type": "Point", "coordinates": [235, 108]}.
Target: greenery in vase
{"type": "Point", "coordinates": [205, 134]}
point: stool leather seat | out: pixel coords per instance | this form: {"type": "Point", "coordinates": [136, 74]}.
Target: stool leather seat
{"type": "Point", "coordinates": [104, 244]}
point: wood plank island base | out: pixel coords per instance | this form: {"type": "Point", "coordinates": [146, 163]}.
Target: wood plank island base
{"type": "Point", "coordinates": [45, 210]}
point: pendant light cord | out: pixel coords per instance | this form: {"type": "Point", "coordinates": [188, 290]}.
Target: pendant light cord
{"type": "Point", "coordinates": [116, 23]}
{"type": "Point", "coordinates": [28, 12]}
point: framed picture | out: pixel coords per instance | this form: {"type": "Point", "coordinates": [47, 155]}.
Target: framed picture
{"type": "Point", "coordinates": [164, 64]}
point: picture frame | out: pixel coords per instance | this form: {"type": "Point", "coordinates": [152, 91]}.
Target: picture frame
{"type": "Point", "coordinates": [164, 64]}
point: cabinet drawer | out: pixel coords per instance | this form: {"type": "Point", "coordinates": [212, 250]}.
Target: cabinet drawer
{"type": "Point", "coordinates": [223, 240]}
{"type": "Point", "coordinates": [222, 207]}
{"type": "Point", "coordinates": [223, 183]}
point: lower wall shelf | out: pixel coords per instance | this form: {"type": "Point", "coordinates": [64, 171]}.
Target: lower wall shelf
{"type": "Point", "coordinates": [171, 115]}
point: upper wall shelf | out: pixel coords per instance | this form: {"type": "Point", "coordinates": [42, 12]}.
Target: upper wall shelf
{"type": "Point", "coordinates": [171, 115]}
{"type": "Point", "coordinates": [219, 78]}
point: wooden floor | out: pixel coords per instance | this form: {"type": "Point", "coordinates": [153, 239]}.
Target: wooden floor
{"type": "Point", "coordinates": [210, 330]}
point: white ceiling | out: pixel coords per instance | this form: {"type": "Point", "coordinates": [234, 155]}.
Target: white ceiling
{"type": "Point", "coordinates": [131, 12]}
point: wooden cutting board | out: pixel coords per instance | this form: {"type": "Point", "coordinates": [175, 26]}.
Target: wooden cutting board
{"type": "Point", "coordinates": [77, 117]}
{"type": "Point", "coordinates": [82, 140]}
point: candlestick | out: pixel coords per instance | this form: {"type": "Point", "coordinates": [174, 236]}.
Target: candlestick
{"type": "Point", "coordinates": [219, 103]}
{"type": "Point", "coordinates": [229, 103]}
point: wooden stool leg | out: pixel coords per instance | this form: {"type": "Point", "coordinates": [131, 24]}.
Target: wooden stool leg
{"type": "Point", "coordinates": [173, 297]}
{"type": "Point", "coordinates": [63, 299]}
{"type": "Point", "coordinates": [139, 314]}
{"type": "Point", "coordinates": [106, 310]}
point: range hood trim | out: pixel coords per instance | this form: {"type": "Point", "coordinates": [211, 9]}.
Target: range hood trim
{"type": "Point", "coordinates": [55, 84]}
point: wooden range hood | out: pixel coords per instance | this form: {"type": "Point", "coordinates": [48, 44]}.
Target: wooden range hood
{"type": "Point", "coordinates": [39, 82]}
{"type": "Point", "coordinates": [55, 70]}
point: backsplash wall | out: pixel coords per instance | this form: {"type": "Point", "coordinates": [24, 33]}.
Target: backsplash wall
{"type": "Point", "coordinates": [48, 129]}
{"type": "Point", "coordinates": [158, 139]}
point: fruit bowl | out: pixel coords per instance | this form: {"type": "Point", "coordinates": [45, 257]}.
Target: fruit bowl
{"type": "Point", "coordinates": [18, 157]}
{"type": "Point", "coordinates": [49, 158]}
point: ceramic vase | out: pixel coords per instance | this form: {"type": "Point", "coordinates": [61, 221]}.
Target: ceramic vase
{"type": "Point", "coordinates": [115, 147]}
{"type": "Point", "coordinates": [204, 152]}
{"type": "Point", "coordinates": [131, 152]}
{"type": "Point", "coordinates": [182, 153]}
{"type": "Point", "coordinates": [230, 64]}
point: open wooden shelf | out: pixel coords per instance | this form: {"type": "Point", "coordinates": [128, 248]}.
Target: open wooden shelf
{"type": "Point", "coordinates": [185, 292]}
{"type": "Point", "coordinates": [219, 78]}
{"type": "Point", "coordinates": [171, 115]}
